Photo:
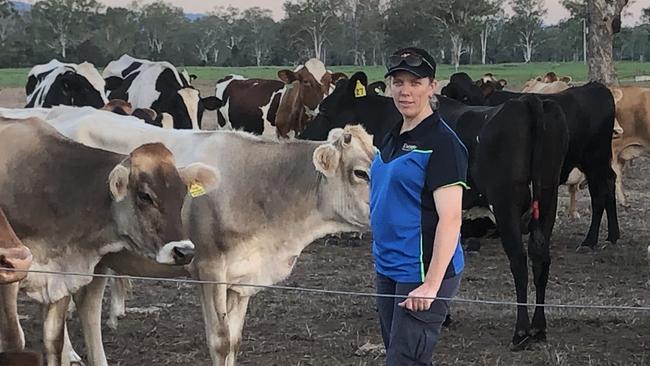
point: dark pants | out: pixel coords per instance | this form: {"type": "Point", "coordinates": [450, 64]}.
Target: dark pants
{"type": "Point", "coordinates": [410, 336]}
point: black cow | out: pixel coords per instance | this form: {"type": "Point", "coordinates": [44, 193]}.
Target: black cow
{"type": "Point", "coordinates": [159, 86]}
{"type": "Point", "coordinates": [56, 83]}
{"type": "Point", "coordinates": [510, 146]}
{"type": "Point", "coordinates": [589, 111]}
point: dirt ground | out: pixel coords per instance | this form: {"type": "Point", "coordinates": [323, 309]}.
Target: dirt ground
{"type": "Point", "coordinates": [164, 325]}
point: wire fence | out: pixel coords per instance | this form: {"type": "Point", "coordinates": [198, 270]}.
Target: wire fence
{"type": "Point", "coordinates": [635, 308]}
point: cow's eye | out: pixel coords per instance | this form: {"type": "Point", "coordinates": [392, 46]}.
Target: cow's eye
{"type": "Point", "coordinates": [145, 197]}
{"type": "Point", "coordinates": [362, 174]}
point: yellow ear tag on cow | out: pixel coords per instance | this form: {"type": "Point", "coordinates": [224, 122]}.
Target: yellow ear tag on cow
{"type": "Point", "coordinates": [359, 90]}
{"type": "Point", "coordinates": [196, 190]}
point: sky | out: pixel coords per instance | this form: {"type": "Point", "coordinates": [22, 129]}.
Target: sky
{"type": "Point", "coordinates": [555, 11]}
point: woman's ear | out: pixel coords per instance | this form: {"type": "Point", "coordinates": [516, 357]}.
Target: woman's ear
{"type": "Point", "coordinates": [433, 87]}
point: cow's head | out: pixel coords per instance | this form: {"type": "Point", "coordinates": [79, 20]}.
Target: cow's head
{"type": "Point", "coordinates": [13, 254]}
{"type": "Point", "coordinates": [186, 107]}
{"type": "Point", "coordinates": [344, 161]}
{"type": "Point", "coordinates": [354, 101]}
{"type": "Point", "coordinates": [119, 106]}
{"type": "Point", "coordinates": [80, 92]}
{"type": "Point", "coordinates": [148, 193]}
{"type": "Point", "coordinates": [462, 88]}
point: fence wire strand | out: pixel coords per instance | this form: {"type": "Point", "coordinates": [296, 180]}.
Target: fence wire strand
{"type": "Point", "coordinates": [639, 308]}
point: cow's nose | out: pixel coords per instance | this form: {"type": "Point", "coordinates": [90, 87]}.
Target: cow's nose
{"type": "Point", "coordinates": [183, 256]}
{"type": "Point", "coordinates": [176, 252]}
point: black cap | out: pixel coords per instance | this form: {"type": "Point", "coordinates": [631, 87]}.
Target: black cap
{"type": "Point", "coordinates": [426, 69]}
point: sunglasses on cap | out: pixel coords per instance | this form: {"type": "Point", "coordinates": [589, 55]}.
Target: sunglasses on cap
{"type": "Point", "coordinates": [411, 59]}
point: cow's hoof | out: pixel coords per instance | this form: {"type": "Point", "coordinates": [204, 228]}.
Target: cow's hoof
{"type": "Point", "coordinates": [538, 335]}
{"type": "Point", "coordinates": [584, 249]}
{"type": "Point", "coordinates": [472, 245]}
{"type": "Point", "coordinates": [520, 343]}
{"type": "Point", "coordinates": [447, 321]}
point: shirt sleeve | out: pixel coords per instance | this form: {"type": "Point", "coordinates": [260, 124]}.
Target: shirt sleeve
{"type": "Point", "coordinates": [447, 165]}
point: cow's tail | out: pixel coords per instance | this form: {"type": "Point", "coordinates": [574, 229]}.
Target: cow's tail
{"type": "Point", "coordinates": [536, 106]}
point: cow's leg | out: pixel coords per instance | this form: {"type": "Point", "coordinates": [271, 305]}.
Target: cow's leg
{"type": "Point", "coordinates": [12, 337]}
{"type": "Point", "coordinates": [75, 359]}
{"type": "Point", "coordinates": [89, 308]}
{"type": "Point", "coordinates": [119, 288]}
{"type": "Point", "coordinates": [541, 260]}
{"type": "Point", "coordinates": [573, 201]}
{"type": "Point", "coordinates": [617, 166]}
{"type": "Point", "coordinates": [237, 306]}
{"type": "Point", "coordinates": [508, 212]}
{"type": "Point", "coordinates": [601, 180]}
{"type": "Point", "coordinates": [53, 332]}
{"type": "Point", "coordinates": [214, 304]}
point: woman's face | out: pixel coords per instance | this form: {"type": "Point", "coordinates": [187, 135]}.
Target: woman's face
{"type": "Point", "coordinates": [411, 94]}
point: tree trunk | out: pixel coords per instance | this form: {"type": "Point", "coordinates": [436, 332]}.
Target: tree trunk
{"type": "Point", "coordinates": [63, 43]}
{"type": "Point", "coordinates": [456, 49]}
{"type": "Point", "coordinates": [484, 39]}
{"type": "Point", "coordinates": [603, 21]}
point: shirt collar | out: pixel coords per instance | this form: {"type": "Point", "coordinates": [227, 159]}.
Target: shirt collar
{"type": "Point", "coordinates": [424, 125]}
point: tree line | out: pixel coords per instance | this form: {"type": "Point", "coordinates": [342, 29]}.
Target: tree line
{"type": "Point", "coordinates": [340, 32]}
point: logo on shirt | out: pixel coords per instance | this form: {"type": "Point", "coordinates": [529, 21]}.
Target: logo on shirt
{"type": "Point", "coordinates": [407, 147]}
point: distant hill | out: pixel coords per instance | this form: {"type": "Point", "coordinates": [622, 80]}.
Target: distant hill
{"type": "Point", "coordinates": [22, 6]}
{"type": "Point", "coordinates": [194, 16]}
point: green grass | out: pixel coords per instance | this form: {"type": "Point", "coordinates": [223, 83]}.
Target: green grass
{"type": "Point", "coordinates": [516, 73]}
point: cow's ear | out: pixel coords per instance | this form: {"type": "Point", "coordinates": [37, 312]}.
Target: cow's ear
{"type": "Point", "coordinates": [199, 178]}
{"type": "Point", "coordinates": [566, 79]}
{"type": "Point", "coordinates": [212, 103]}
{"type": "Point", "coordinates": [503, 82]}
{"type": "Point", "coordinates": [118, 180]}
{"type": "Point", "coordinates": [69, 83]}
{"type": "Point", "coordinates": [358, 78]}
{"type": "Point", "coordinates": [378, 88]}
{"type": "Point", "coordinates": [287, 76]}
{"type": "Point", "coordinates": [193, 77]}
{"type": "Point", "coordinates": [326, 159]}
{"type": "Point", "coordinates": [338, 76]}
{"type": "Point", "coordinates": [487, 89]}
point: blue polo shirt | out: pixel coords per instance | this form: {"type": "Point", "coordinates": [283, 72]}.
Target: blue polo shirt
{"type": "Point", "coordinates": [403, 216]}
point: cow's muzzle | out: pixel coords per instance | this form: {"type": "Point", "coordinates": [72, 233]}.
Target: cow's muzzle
{"type": "Point", "coordinates": [15, 260]}
{"type": "Point", "coordinates": [176, 252]}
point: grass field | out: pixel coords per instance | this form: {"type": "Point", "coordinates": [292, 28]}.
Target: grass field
{"type": "Point", "coordinates": [516, 73]}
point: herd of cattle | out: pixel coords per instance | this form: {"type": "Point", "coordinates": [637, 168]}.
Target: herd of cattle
{"type": "Point", "coordinates": [111, 173]}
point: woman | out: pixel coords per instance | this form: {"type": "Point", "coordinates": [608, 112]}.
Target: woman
{"type": "Point", "coordinates": [416, 189]}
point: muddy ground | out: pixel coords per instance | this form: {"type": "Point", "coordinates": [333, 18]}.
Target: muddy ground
{"type": "Point", "coordinates": [164, 324]}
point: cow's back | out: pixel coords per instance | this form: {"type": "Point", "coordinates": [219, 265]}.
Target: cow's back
{"type": "Point", "coordinates": [40, 168]}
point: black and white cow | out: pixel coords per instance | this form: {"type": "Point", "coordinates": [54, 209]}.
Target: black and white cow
{"type": "Point", "coordinates": [57, 83]}
{"type": "Point", "coordinates": [159, 86]}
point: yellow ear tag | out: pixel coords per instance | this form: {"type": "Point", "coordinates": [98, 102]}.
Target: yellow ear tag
{"type": "Point", "coordinates": [359, 90]}
{"type": "Point", "coordinates": [196, 190]}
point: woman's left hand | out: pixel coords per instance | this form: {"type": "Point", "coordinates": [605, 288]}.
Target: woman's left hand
{"type": "Point", "coordinates": [415, 301]}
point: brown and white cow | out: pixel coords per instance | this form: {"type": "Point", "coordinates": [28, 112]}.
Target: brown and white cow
{"type": "Point", "coordinates": [240, 234]}
{"type": "Point", "coordinates": [13, 254]}
{"type": "Point", "coordinates": [633, 115]}
{"type": "Point", "coordinates": [72, 204]}
{"type": "Point", "coordinates": [253, 105]}
{"type": "Point", "coordinates": [148, 115]}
